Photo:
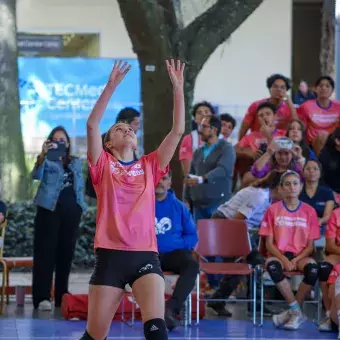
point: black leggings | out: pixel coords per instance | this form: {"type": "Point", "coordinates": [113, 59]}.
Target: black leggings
{"type": "Point", "coordinates": [180, 262]}
{"type": "Point", "coordinates": [55, 236]}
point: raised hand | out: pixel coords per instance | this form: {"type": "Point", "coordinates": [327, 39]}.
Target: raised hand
{"type": "Point", "coordinates": [176, 73]}
{"type": "Point", "coordinates": [119, 72]}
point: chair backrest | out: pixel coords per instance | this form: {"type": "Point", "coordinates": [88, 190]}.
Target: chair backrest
{"type": "Point", "coordinates": [222, 237]}
{"type": "Point", "coordinates": [3, 226]}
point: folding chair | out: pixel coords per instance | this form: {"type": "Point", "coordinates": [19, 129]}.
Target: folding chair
{"type": "Point", "coordinates": [224, 238]}
{"type": "Point", "coordinates": [262, 250]}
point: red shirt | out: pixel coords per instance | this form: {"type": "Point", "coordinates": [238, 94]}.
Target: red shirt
{"type": "Point", "coordinates": [333, 226]}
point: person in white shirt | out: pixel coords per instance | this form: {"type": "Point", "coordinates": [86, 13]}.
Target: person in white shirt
{"type": "Point", "coordinates": [249, 204]}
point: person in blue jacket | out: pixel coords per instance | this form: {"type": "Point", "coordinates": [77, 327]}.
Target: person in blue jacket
{"type": "Point", "coordinates": [3, 211]}
{"type": "Point", "coordinates": [176, 238]}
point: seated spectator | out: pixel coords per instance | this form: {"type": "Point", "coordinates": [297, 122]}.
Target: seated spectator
{"type": "Point", "coordinates": [330, 160]}
{"type": "Point", "coordinates": [281, 155]}
{"type": "Point", "coordinates": [3, 211]}
{"type": "Point", "coordinates": [303, 94]}
{"type": "Point", "coordinates": [297, 133]}
{"type": "Point", "coordinates": [321, 198]}
{"type": "Point", "coordinates": [254, 144]}
{"type": "Point", "coordinates": [192, 141]}
{"type": "Point", "coordinates": [332, 250]}
{"type": "Point", "coordinates": [290, 228]}
{"type": "Point", "coordinates": [278, 85]}
{"type": "Point", "coordinates": [228, 125]}
{"type": "Point", "coordinates": [321, 115]}
{"type": "Point", "coordinates": [248, 204]}
{"type": "Point", "coordinates": [176, 238]}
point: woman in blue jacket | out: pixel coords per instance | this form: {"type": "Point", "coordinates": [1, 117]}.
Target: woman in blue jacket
{"type": "Point", "coordinates": [60, 203]}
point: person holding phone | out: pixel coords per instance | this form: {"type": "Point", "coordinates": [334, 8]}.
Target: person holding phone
{"type": "Point", "coordinates": [60, 203]}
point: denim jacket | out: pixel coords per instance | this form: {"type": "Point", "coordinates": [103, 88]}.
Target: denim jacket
{"type": "Point", "coordinates": [50, 174]}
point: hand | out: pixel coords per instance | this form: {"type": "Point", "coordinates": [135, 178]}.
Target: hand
{"type": "Point", "coordinates": [118, 73]}
{"type": "Point", "coordinates": [288, 265]}
{"type": "Point", "coordinates": [2, 217]}
{"type": "Point", "coordinates": [190, 182]}
{"type": "Point", "coordinates": [47, 146]}
{"type": "Point", "coordinates": [272, 147]}
{"type": "Point", "coordinates": [176, 73]}
{"type": "Point", "coordinates": [297, 151]}
{"type": "Point", "coordinates": [256, 154]}
{"type": "Point", "coordinates": [266, 130]}
{"type": "Point", "coordinates": [294, 263]}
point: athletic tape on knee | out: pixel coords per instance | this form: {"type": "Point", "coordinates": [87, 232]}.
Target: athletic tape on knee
{"type": "Point", "coordinates": [325, 269]}
{"type": "Point", "coordinates": [337, 286]}
{"type": "Point", "coordinates": [155, 329]}
{"type": "Point", "coordinates": [311, 274]}
{"type": "Point", "coordinates": [275, 271]}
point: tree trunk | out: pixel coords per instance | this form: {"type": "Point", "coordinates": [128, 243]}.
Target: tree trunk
{"type": "Point", "coordinates": [327, 38]}
{"type": "Point", "coordinates": [13, 172]}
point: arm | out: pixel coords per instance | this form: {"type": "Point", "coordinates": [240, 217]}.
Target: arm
{"type": "Point", "coordinates": [327, 212]}
{"type": "Point", "coordinates": [272, 249]}
{"type": "Point", "coordinates": [292, 108]}
{"type": "Point", "coordinates": [94, 139]}
{"type": "Point", "coordinates": [331, 246]}
{"type": "Point", "coordinates": [243, 130]}
{"type": "Point", "coordinates": [189, 229]}
{"type": "Point", "coordinates": [260, 164]}
{"type": "Point", "coordinates": [168, 147]}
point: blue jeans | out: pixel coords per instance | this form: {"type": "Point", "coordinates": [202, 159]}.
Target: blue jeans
{"type": "Point", "coordinates": [202, 214]}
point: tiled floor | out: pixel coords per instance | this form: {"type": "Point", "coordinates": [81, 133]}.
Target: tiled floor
{"type": "Point", "coordinates": [24, 324]}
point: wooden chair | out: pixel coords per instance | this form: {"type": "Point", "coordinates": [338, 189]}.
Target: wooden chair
{"type": "Point", "coordinates": [224, 238]}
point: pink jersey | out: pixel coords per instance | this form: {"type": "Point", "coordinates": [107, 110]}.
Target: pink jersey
{"type": "Point", "coordinates": [333, 226]}
{"type": "Point", "coordinates": [186, 148]}
{"type": "Point", "coordinates": [283, 115]}
{"type": "Point", "coordinates": [318, 119]}
{"type": "Point", "coordinates": [126, 202]}
{"type": "Point", "coordinates": [254, 139]}
{"type": "Point", "coordinates": [335, 273]}
{"type": "Point", "coordinates": [291, 230]}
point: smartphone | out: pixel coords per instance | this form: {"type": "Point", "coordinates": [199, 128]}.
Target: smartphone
{"type": "Point", "coordinates": [57, 152]}
{"type": "Point", "coordinates": [263, 147]}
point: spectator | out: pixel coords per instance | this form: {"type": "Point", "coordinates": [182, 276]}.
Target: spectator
{"type": "Point", "coordinates": [332, 250]}
{"type": "Point", "coordinates": [290, 228]}
{"type": "Point", "coordinates": [3, 211]}
{"type": "Point", "coordinates": [60, 203]}
{"type": "Point", "coordinates": [278, 85]}
{"type": "Point", "coordinates": [249, 204]}
{"type": "Point", "coordinates": [321, 115]}
{"type": "Point", "coordinates": [176, 238]}
{"type": "Point", "coordinates": [297, 133]}
{"type": "Point", "coordinates": [209, 182]}
{"type": "Point", "coordinates": [127, 115]}
{"type": "Point", "coordinates": [228, 125]}
{"type": "Point", "coordinates": [303, 94]}
{"type": "Point", "coordinates": [192, 141]}
{"type": "Point", "coordinates": [330, 160]}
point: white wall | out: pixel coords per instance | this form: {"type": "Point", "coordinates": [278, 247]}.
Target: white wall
{"type": "Point", "coordinates": [234, 75]}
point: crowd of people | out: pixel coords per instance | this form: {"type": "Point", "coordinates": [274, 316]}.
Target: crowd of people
{"type": "Point", "coordinates": [281, 178]}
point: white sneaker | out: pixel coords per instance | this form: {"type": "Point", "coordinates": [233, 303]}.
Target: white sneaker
{"type": "Point", "coordinates": [282, 318]}
{"type": "Point", "coordinates": [45, 305]}
{"type": "Point", "coordinates": [325, 325]}
{"type": "Point", "coordinates": [296, 319]}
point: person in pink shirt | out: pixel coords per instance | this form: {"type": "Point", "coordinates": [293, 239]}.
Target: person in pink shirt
{"type": "Point", "coordinates": [278, 85]}
{"type": "Point", "coordinates": [333, 284]}
{"type": "Point", "coordinates": [125, 241]}
{"type": "Point", "coordinates": [332, 249]}
{"type": "Point", "coordinates": [321, 115]}
{"type": "Point", "coordinates": [290, 228]}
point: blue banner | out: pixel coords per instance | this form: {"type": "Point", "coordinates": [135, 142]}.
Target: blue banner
{"type": "Point", "coordinates": [63, 91]}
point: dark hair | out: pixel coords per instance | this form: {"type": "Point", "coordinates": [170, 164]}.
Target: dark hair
{"type": "Point", "coordinates": [266, 105]}
{"type": "Point", "coordinates": [127, 115]}
{"type": "Point", "coordinates": [216, 123]}
{"type": "Point", "coordinates": [62, 129]}
{"type": "Point", "coordinates": [226, 117]}
{"type": "Point", "coordinates": [330, 143]}
{"type": "Point", "coordinates": [272, 79]}
{"type": "Point", "coordinates": [270, 181]}
{"type": "Point", "coordinates": [204, 103]}
{"type": "Point", "coordinates": [328, 78]}
{"type": "Point", "coordinates": [315, 161]}
{"type": "Point", "coordinates": [303, 143]}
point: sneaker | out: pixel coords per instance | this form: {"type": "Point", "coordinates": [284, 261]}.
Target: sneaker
{"type": "Point", "coordinates": [325, 325]}
{"type": "Point", "coordinates": [282, 318]}
{"type": "Point", "coordinates": [296, 319]}
{"type": "Point", "coordinates": [45, 305]}
{"type": "Point", "coordinates": [170, 319]}
{"type": "Point", "coordinates": [219, 309]}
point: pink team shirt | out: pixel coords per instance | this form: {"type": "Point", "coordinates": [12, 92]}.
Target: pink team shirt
{"type": "Point", "coordinates": [254, 139]}
{"type": "Point", "coordinates": [126, 202]}
{"type": "Point", "coordinates": [283, 115]}
{"type": "Point", "coordinates": [185, 149]}
{"type": "Point", "coordinates": [318, 119]}
{"type": "Point", "coordinates": [291, 230]}
{"type": "Point", "coordinates": [333, 226]}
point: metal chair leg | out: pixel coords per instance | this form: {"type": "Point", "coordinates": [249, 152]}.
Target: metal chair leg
{"type": "Point", "coordinates": [254, 296]}
{"type": "Point", "coordinates": [190, 310]}
{"type": "Point", "coordinates": [7, 284]}
{"type": "Point", "coordinates": [198, 299]}
{"type": "Point", "coordinates": [262, 296]}
{"type": "Point", "coordinates": [4, 285]}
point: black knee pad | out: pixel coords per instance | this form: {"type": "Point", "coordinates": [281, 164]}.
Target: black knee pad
{"type": "Point", "coordinates": [275, 271]}
{"type": "Point", "coordinates": [325, 269]}
{"type": "Point", "coordinates": [155, 329]}
{"type": "Point", "coordinates": [311, 274]}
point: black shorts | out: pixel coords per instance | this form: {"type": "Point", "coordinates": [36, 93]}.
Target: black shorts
{"type": "Point", "coordinates": [116, 268]}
